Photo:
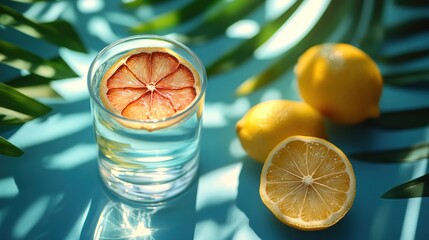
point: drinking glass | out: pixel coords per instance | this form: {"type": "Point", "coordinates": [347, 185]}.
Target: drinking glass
{"type": "Point", "coordinates": [139, 164]}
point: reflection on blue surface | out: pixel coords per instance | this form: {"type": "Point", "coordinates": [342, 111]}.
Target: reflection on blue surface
{"type": "Point", "coordinates": [119, 221]}
{"type": "Point", "coordinates": [54, 191]}
{"type": "Point", "coordinates": [412, 212]}
{"type": "Point", "coordinates": [112, 217]}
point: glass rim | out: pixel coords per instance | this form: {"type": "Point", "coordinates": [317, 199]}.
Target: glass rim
{"type": "Point", "coordinates": [196, 101]}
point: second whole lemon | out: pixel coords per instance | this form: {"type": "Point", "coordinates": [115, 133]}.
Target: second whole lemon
{"type": "Point", "coordinates": [268, 123]}
{"type": "Point", "coordinates": [341, 81]}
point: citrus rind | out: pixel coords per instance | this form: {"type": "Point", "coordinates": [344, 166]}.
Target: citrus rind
{"type": "Point", "coordinates": [125, 92]}
{"type": "Point", "coordinates": [298, 222]}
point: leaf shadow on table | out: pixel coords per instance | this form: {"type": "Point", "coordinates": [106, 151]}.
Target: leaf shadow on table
{"type": "Point", "coordinates": [56, 192]}
{"type": "Point", "coordinates": [49, 194]}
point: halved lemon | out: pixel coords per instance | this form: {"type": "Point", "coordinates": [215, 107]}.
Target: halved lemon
{"type": "Point", "coordinates": [149, 84]}
{"type": "Point", "coordinates": [307, 183]}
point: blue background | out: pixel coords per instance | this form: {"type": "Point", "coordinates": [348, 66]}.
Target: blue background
{"type": "Point", "coordinates": [54, 192]}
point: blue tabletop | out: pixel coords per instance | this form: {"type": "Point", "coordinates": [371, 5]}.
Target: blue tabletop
{"type": "Point", "coordinates": [54, 191]}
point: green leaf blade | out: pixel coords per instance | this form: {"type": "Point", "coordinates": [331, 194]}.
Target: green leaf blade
{"type": "Point", "coordinates": [374, 31]}
{"type": "Point", "coordinates": [405, 119]}
{"type": "Point", "coordinates": [20, 58]}
{"type": "Point", "coordinates": [245, 50]}
{"type": "Point", "coordinates": [418, 187]}
{"type": "Point", "coordinates": [412, 3]}
{"type": "Point", "coordinates": [173, 18]}
{"type": "Point", "coordinates": [28, 81]}
{"type": "Point", "coordinates": [9, 119]}
{"type": "Point", "coordinates": [406, 29]}
{"type": "Point", "coordinates": [16, 101]}
{"type": "Point", "coordinates": [35, 1]}
{"type": "Point", "coordinates": [408, 154]}
{"type": "Point", "coordinates": [58, 32]}
{"type": "Point", "coordinates": [8, 149]}
{"type": "Point", "coordinates": [138, 3]}
{"type": "Point", "coordinates": [216, 23]}
{"type": "Point", "coordinates": [406, 77]}
{"type": "Point", "coordinates": [67, 36]}
{"type": "Point", "coordinates": [318, 34]}
{"type": "Point", "coordinates": [405, 56]}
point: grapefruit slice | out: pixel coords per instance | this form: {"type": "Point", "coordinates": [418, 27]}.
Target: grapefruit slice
{"type": "Point", "coordinates": [149, 85]}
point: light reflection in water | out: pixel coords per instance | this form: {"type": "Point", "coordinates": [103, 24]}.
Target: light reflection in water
{"type": "Point", "coordinates": [119, 220]}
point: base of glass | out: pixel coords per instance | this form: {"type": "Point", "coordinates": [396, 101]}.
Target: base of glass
{"type": "Point", "coordinates": [148, 191]}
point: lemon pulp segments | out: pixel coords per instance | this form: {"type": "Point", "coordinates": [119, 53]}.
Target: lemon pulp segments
{"type": "Point", "coordinates": [308, 183]}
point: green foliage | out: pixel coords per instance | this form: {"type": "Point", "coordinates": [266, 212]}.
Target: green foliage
{"type": "Point", "coordinates": [397, 120]}
{"type": "Point", "coordinates": [244, 51]}
{"type": "Point", "coordinates": [365, 27]}
{"type": "Point", "coordinates": [20, 58]}
{"type": "Point", "coordinates": [407, 154]}
{"type": "Point", "coordinates": [8, 149]}
{"type": "Point", "coordinates": [341, 22]}
{"type": "Point", "coordinates": [418, 187]}
{"type": "Point", "coordinates": [58, 32]}
{"type": "Point", "coordinates": [318, 34]}
{"type": "Point", "coordinates": [15, 101]}
{"type": "Point", "coordinates": [137, 3]}
{"type": "Point", "coordinates": [16, 107]}
{"type": "Point", "coordinates": [175, 17]}
{"type": "Point", "coordinates": [219, 21]}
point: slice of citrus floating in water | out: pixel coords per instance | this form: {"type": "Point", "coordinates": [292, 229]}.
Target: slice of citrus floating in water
{"type": "Point", "coordinates": [307, 183]}
{"type": "Point", "coordinates": [149, 85]}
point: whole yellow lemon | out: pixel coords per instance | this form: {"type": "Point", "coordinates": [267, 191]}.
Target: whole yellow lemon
{"type": "Point", "coordinates": [340, 81]}
{"type": "Point", "coordinates": [268, 123]}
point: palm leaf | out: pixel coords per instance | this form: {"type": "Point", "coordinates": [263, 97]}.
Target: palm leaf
{"type": "Point", "coordinates": [138, 3]}
{"type": "Point", "coordinates": [364, 21]}
{"type": "Point", "coordinates": [8, 117]}
{"type": "Point", "coordinates": [8, 149]}
{"type": "Point", "coordinates": [411, 153]}
{"type": "Point", "coordinates": [35, 1]}
{"type": "Point", "coordinates": [417, 50]}
{"type": "Point", "coordinates": [318, 34]}
{"type": "Point", "coordinates": [412, 3]}
{"type": "Point", "coordinates": [406, 77]}
{"type": "Point", "coordinates": [397, 120]}
{"type": "Point", "coordinates": [173, 18]}
{"type": "Point", "coordinates": [216, 23]}
{"type": "Point", "coordinates": [405, 56]}
{"type": "Point", "coordinates": [58, 32]}
{"type": "Point", "coordinates": [408, 28]}
{"type": "Point", "coordinates": [16, 101]}
{"type": "Point", "coordinates": [39, 91]}
{"type": "Point", "coordinates": [16, 107]}
{"type": "Point", "coordinates": [34, 86]}
{"type": "Point", "coordinates": [22, 59]}
{"type": "Point", "coordinates": [418, 187]}
{"type": "Point", "coordinates": [373, 31]}
{"type": "Point", "coordinates": [30, 80]}
{"type": "Point", "coordinates": [245, 50]}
